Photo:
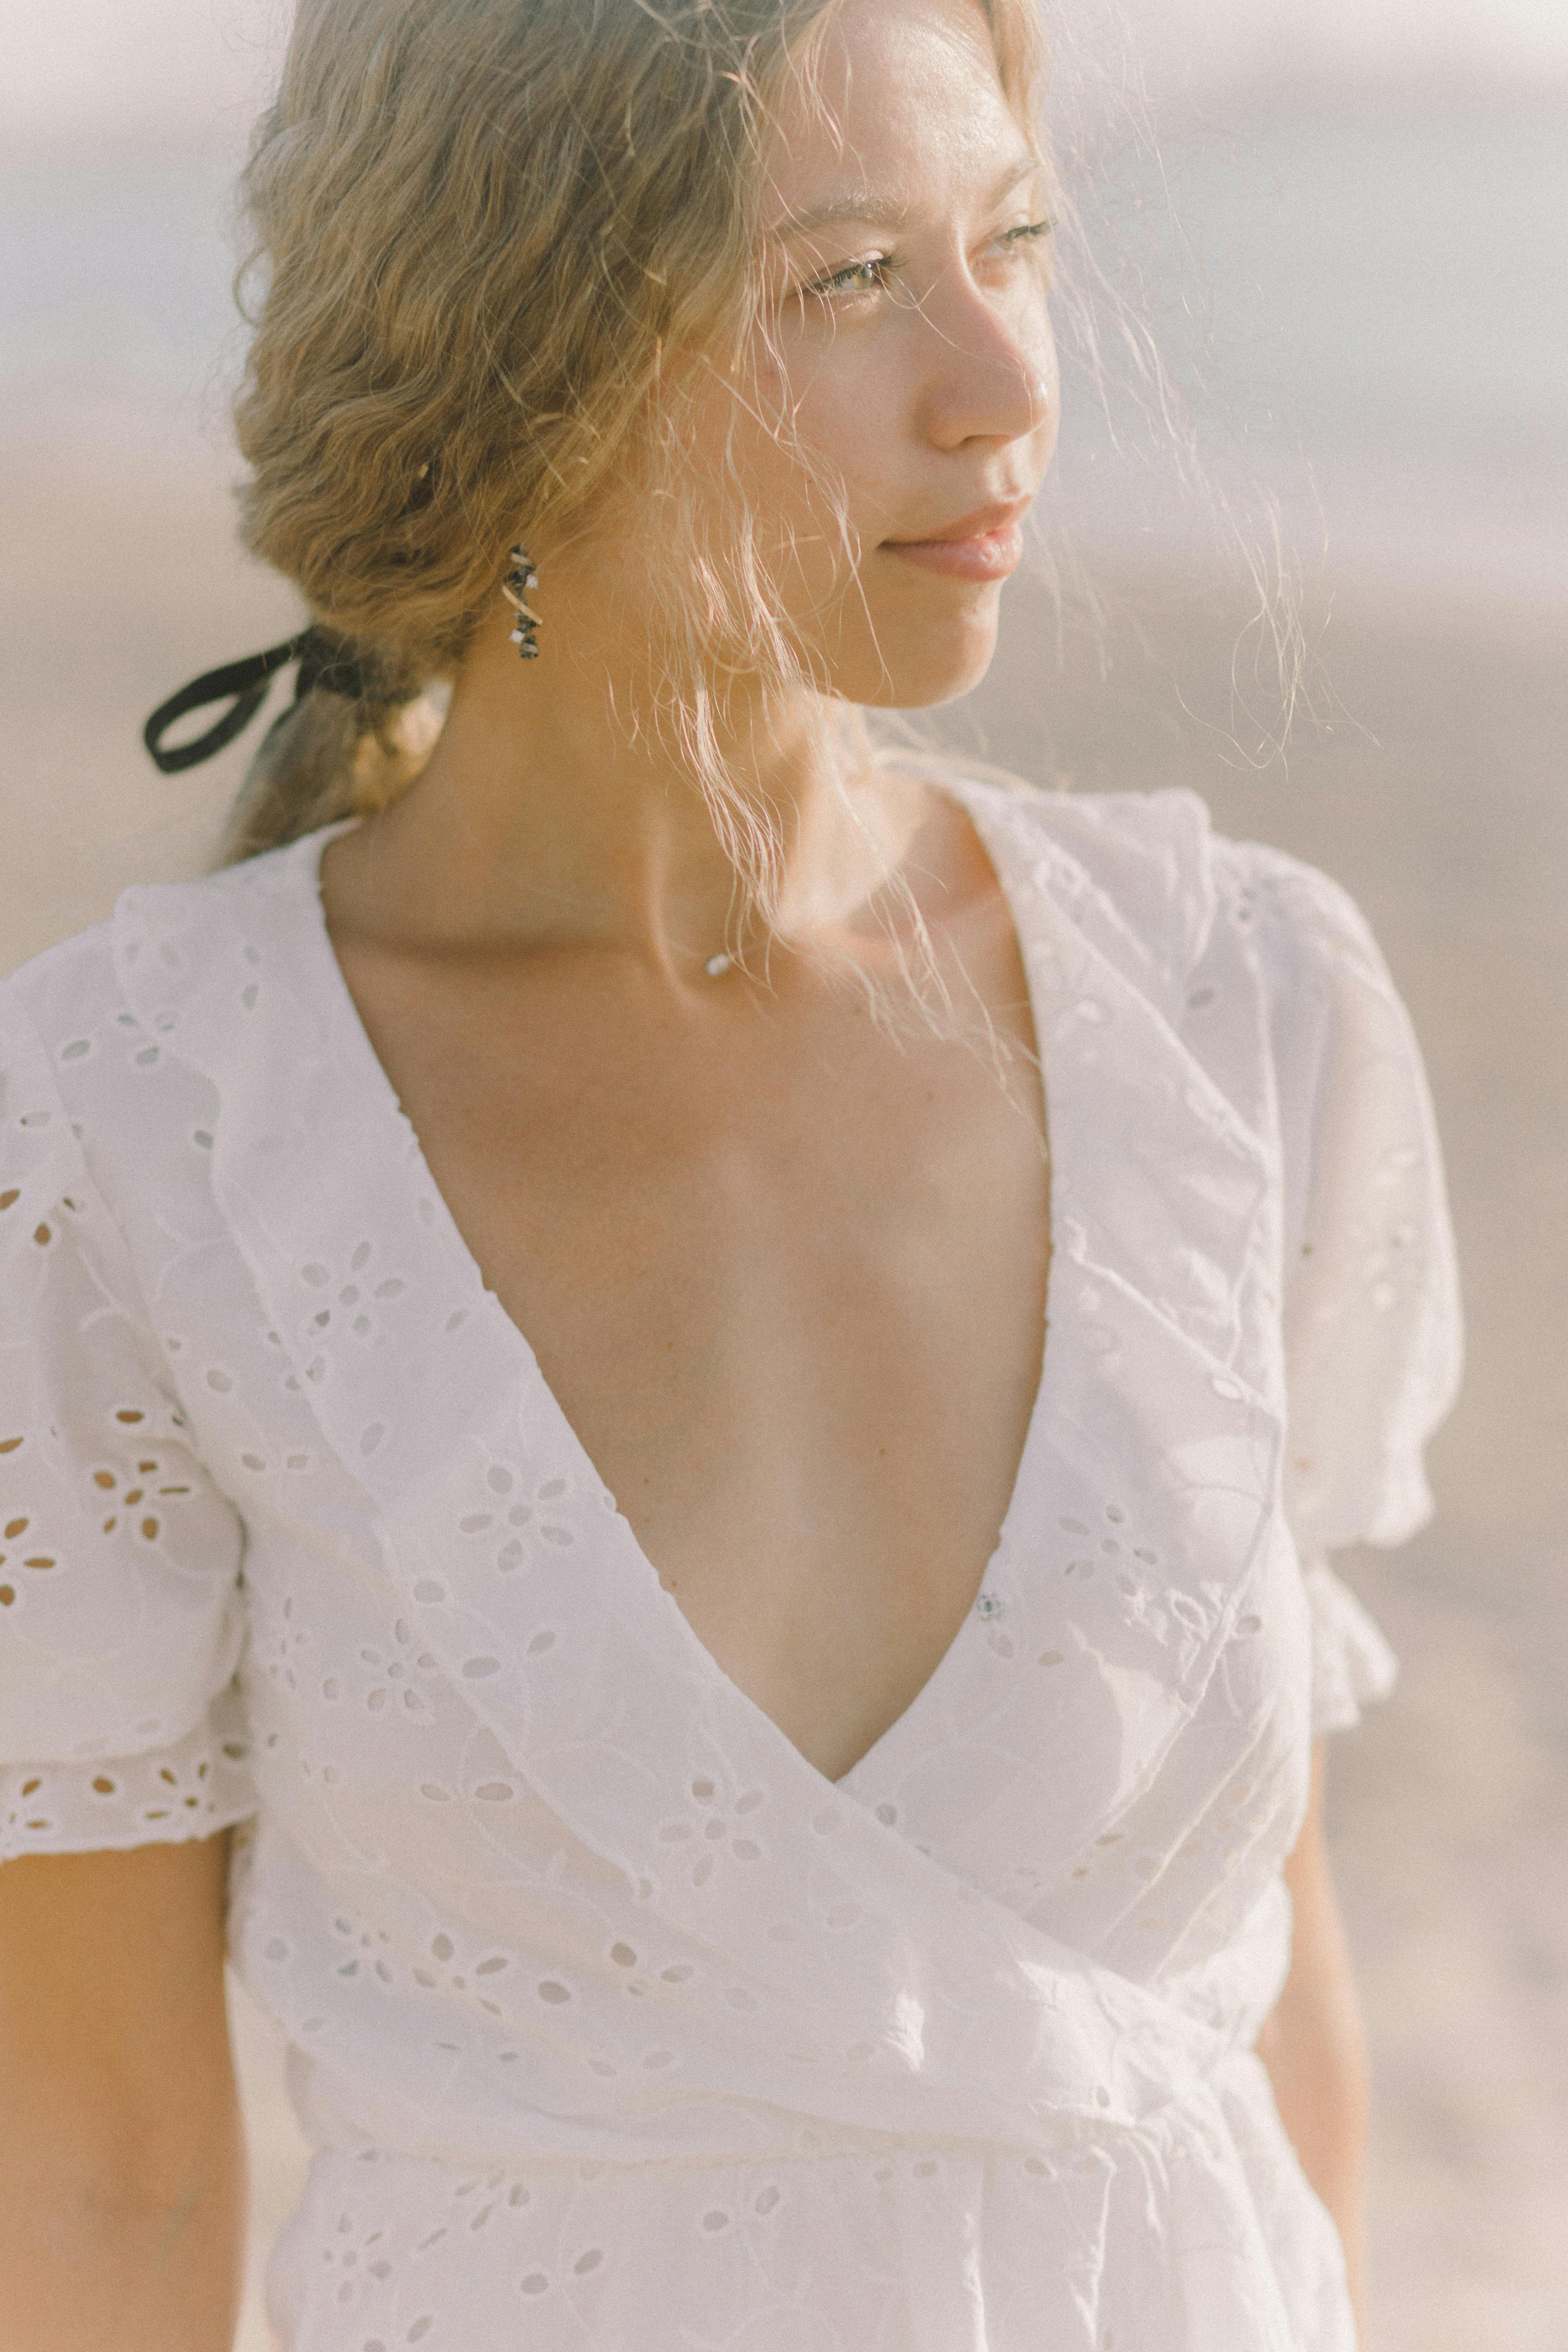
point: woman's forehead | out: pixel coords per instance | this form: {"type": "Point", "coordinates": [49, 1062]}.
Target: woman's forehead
{"type": "Point", "coordinates": [904, 104]}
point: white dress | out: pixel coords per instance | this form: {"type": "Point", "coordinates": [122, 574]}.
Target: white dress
{"type": "Point", "coordinates": [613, 2023]}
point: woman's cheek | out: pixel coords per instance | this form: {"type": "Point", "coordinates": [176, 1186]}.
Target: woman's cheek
{"type": "Point", "coordinates": [851, 427]}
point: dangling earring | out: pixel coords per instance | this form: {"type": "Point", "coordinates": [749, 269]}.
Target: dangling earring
{"type": "Point", "coordinates": [514, 588]}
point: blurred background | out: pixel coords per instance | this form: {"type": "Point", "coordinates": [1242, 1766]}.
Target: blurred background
{"type": "Point", "coordinates": [1346, 223]}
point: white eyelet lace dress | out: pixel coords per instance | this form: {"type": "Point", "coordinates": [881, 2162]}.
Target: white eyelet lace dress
{"type": "Point", "coordinates": [616, 2026]}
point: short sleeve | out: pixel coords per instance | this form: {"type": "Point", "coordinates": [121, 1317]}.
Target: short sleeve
{"type": "Point", "coordinates": [119, 1609]}
{"type": "Point", "coordinates": [1371, 1302]}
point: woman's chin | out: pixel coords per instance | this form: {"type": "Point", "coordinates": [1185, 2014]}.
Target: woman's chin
{"type": "Point", "coordinates": [921, 668]}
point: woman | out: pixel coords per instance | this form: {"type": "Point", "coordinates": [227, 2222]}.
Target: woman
{"type": "Point", "coordinates": [770, 1813]}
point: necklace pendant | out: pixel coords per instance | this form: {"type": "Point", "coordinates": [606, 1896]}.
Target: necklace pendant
{"type": "Point", "coordinates": [718, 965]}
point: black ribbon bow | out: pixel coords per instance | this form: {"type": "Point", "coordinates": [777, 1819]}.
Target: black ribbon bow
{"type": "Point", "coordinates": [244, 685]}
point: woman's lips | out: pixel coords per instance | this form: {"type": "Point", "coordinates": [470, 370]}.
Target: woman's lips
{"type": "Point", "coordinates": [982, 555]}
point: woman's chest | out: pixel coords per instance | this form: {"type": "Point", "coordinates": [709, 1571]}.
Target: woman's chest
{"type": "Point", "coordinates": [787, 1285]}
{"type": "Point", "coordinates": [1113, 1741]}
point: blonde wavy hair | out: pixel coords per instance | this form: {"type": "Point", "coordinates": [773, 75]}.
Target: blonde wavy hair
{"type": "Point", "coordinates": [487, 237]}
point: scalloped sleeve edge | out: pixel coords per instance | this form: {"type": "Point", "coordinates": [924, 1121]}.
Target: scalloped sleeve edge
{"type": "Point", "coordinates": [1353, 1664]}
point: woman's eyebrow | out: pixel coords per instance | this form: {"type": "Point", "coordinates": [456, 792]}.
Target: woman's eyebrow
{"type": "Point", "coordinates": [885, 210]}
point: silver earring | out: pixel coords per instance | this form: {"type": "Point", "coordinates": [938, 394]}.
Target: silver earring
{"type": "Point", "coordinates": [514, 588]}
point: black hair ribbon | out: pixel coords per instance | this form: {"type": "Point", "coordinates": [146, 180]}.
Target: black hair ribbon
{"type": "Point", "coordinates": [244, 685]}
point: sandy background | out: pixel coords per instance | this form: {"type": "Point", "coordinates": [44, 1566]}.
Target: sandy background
{"type": "Point", "coordinates": [1432, 784]}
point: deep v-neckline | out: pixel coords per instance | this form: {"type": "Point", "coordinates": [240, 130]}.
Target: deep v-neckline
{"type": "Point", "coordinates": [421, 1194]}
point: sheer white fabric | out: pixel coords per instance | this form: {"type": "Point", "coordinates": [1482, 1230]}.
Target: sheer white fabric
{"type": "Point", "coordinates": [613, 2023]}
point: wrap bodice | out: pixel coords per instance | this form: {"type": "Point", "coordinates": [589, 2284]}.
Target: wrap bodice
{"type": "Point", "coordinates": [536, 1892]}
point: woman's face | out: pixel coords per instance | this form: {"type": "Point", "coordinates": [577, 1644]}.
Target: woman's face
{"type": "Point", "coordinates": [908, 348]}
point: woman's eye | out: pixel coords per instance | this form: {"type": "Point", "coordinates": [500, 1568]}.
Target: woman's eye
{"type": "Point", "coordinates": [868, 276]}
{"type": "Point", "coordinates": [875, 273]}
{"type": "Point", "coordinates": [1027, 234]}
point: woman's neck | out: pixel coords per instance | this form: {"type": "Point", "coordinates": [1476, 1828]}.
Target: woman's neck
{"type": "Point", "coordinates": [543, 817]}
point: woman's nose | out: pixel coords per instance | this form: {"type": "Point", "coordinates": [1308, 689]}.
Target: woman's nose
{"type": "Point", "coordinates": [990, 377]}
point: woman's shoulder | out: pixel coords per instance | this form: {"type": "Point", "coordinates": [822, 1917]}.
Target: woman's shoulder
{"type": "Point", "coordinates": [109, 1037]}
{"type": "Point", "coordinates": [1118, 838]}
{"type": "Point", "coordinates": [1148, 874]}
{"type": "Point", "coordinates": [161, 941]}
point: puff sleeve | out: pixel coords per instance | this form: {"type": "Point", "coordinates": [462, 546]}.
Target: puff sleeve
{"type": "Point", "coordinates": [120, 1608]}
{"type": "Point", "coordinates": [1371, 1301]}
